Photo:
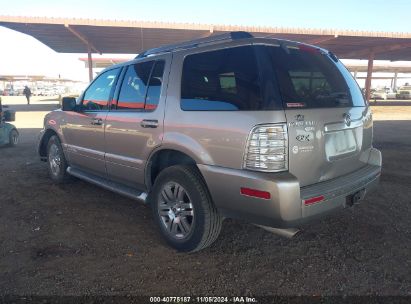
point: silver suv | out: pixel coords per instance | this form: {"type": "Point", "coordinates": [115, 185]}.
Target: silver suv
{"type": "Point", "coordinates": [270, 131]}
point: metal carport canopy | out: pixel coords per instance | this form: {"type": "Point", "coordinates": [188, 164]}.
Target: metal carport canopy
{"type": "Point", "coordinates": [131, 37]}
{"type": "Point", "coordinates": [67, 35]}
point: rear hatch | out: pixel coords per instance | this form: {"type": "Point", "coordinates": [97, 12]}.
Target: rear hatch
{"type": "Point", "coordinates": [329, 124]}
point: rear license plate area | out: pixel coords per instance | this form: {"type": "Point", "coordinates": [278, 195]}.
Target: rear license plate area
{"type": "Point", "coordinates": [340, 143]}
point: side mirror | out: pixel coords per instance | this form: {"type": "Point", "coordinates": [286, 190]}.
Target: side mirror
{"type": "Point", "coordinates": [68, 103]}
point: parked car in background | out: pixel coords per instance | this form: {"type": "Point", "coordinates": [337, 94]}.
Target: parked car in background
{"type": "Point", "coordinates": [51, 92]}
{"type": "Point", "coordinates": [47, 91]}
{"type": "Point", "coordinates": [19, 92]}
{"type": "Point", "coordinates": [391, 94]}
{"type": "Point", "coordinates": [39, 92]}
{"type": "Point", "coordinates": [8, 132]}
{"type": "Point", "coordinates": [9, 92]}
{"type": "Point", "coordinates": [270, 131]}
{"type": "Point", "coordinates": [379, 94]}
{"type": "Point", "coordinates": [404, 92]}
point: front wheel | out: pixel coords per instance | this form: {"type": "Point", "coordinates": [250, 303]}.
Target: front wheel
{"type": "Point", "coordinates": [57, 164]}
{"type": "Point", "coordinates": [183, 209]}
{"type": "Point", "coordinates": [13, 138]}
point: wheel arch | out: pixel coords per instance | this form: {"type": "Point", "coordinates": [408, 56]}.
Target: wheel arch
{"type": "Point", "coordinates": [162, 159]}
{"type": "Point", "coordinates": [14, 129]}
{"type": "Point", "coordinates": [9, 129]}
{"type": "Point", "coordinates": [42, 149]}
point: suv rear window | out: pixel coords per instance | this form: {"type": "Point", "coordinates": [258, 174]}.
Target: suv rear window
{"type": "Point", "coordinates": [223, 80]}
{"type": "Point", "coordinates": [308, 78]}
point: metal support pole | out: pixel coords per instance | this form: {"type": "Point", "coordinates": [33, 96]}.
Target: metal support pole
{"type": "Point", "coordinates": [369, 76]}
{"type": "Point", "coordinates": [90, 63]}
{"type": "Point", "coordinates": [355, 75]}
{"type": "Point", "coordinates": [89, 45]}
{"type": "Point", "coordinates": [394, 87]}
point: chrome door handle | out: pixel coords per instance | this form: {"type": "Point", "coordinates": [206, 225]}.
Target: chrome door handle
{"type": "Point", "coordinates": [149, 123]}
{"type": "Point", "coordinates": [97, 121]}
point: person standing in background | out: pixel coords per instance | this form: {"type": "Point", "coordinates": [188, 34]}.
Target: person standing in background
{"type": "Point", "coordinates": [27, 93]}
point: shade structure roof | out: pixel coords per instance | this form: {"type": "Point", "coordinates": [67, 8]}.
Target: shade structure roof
{"type": "Point", "coordinates": [67, 35]}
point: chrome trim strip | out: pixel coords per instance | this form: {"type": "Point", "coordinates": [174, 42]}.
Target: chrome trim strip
{"type": "Point", "coordinates": [80, 150]}
{"type": "Point", "coordinates": [334, 127]}
{"type": "Point", "coordinates": [123, 160]}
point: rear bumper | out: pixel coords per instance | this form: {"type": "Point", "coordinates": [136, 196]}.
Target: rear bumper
{"type": "Point", "coordinates": [286, 207]}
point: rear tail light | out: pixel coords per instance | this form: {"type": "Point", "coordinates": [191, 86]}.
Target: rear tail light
{"type": "Point", "coordinates": [267, 148]}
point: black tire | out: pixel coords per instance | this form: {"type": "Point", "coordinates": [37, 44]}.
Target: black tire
{"type": "Point", "coordinates": [58, 170]}
{"type": "Point", "coordinates": [206, 221]}
{"type": "Point", "coordinates": [13, 138]}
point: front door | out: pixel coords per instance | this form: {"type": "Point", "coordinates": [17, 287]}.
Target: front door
{"type": "Point", "coordinates": [84, 129]}
{"type": "Point", "coordinates": [134, 125]}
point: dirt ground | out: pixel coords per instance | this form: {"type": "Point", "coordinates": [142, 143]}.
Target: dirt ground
{"type": "Point", "coordinates": [78, 239]}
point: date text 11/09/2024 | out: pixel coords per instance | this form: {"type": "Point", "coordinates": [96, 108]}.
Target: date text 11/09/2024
{"type": "Point", "coordinates": [203, 300]}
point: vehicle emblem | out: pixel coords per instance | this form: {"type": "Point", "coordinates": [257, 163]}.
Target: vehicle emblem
{"type": "Point", "coordinates": [303, 137]}
{"type": "Point", "coordinates": [347, 119]}
{"type": "Point", "coordinates": [295, 149]}
{"type": "Point", "coordinates": [299, 117]}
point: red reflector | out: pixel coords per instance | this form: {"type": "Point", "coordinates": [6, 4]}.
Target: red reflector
{"type": "Point", "coordinates": [255, 193]}
{"type": "Point", "coordinates": [313, 200]}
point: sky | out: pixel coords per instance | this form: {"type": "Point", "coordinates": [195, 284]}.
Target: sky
{"type": "Point", "coordinates": [21, 54]}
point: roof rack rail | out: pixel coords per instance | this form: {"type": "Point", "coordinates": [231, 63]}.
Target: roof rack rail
{"type": "Point", "coordinates": [196, 42]}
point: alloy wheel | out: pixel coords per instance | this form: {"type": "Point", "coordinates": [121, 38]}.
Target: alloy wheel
{"type": "Point", "coordinates": [54, 159]}
{"type": "Point", "coordinates": [175, 210]}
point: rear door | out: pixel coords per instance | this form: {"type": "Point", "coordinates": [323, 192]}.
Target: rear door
{"type": "Point", "coordinates": [134, 125]}
{"type": "Point", "coordinates": [329, 125]}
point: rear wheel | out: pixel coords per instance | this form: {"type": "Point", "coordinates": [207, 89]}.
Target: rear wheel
{"type": "Point", "coordinates": [13, 138]}
{"type": "Point", "coordinates": [57, 164]}
{"type": "Point", "coordinates": [183, 209]}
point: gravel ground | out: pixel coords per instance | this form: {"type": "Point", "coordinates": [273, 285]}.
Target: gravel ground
{"type": "Point", "coordinates": [78, 239]}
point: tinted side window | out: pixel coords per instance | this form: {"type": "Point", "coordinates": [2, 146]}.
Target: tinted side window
{"type": "Point", "coordinates": [223, 80]}
{"type": "Point", "coordinates": [134, 86]}
{"type": "Point", "coordinates": [98, 93]}
{"type": "Point", "coordinates": [154, 88]}
{"type": "Point", "coordinates": [308, 78]}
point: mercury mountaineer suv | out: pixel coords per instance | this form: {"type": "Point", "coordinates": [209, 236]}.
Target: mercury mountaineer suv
{"type": "Point", "coordinates": [270, 131]}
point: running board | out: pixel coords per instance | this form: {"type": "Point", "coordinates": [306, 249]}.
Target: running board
{"type": "Point", "coordinates": [109, 185]}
